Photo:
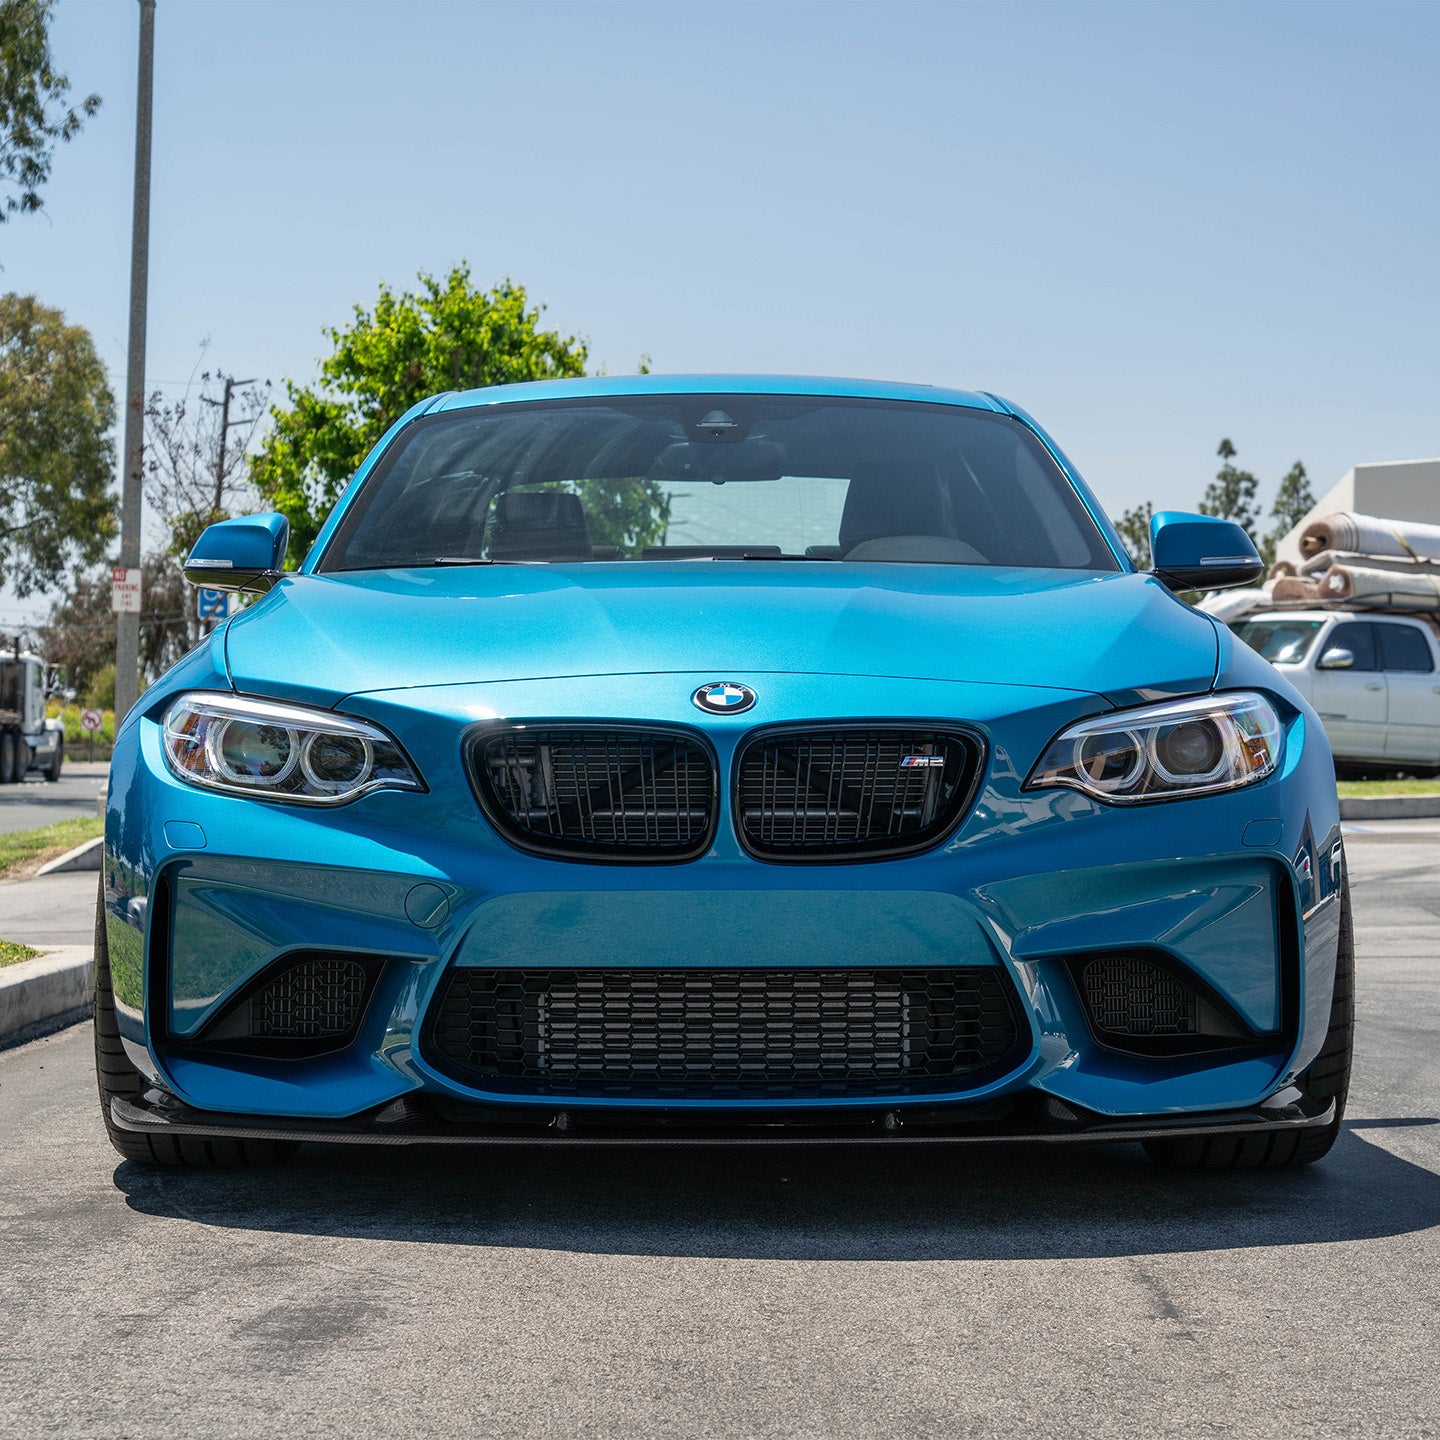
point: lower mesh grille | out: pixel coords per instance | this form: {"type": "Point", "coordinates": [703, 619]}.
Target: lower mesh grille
{"type": "Point", "coordinates": [309, 1001]}
{"type": "Point", "coordinates": [723, 1034]}
{"type": "Point", "coordinates": [1129, 995]}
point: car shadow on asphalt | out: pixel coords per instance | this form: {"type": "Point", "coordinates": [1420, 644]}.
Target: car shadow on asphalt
{"type": "Point", "coordinates": [793, 1203]}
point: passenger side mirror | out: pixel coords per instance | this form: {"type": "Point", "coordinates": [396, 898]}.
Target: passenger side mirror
{"type": "Point", "coordinates": [247, 553]}
{"type": "Point", "coordinates": [1201, 552]}
{"type": "Point", "coordinates": [1337, 659]}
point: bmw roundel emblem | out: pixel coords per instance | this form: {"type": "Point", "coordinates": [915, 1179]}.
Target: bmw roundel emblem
{"type": "Point", "coordinates": [724, 697]}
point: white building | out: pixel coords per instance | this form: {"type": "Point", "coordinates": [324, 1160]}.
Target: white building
{"type": "Point", "coordinates": [1396, 490]}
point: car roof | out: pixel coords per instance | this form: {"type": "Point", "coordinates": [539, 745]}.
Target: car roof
{"type": "Point", "coordinates": [591, 387]}
{"type": "Point", "coordinates": [1329, 615]}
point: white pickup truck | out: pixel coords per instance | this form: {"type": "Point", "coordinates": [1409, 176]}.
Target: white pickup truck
{"type": "Point", "coordinates": [1373, 678]}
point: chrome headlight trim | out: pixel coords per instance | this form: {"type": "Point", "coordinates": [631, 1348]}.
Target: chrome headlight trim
{"type": "Point", "coordinates": [1244, 725]}
{"type": "Point", "coordinates": [195, 726]}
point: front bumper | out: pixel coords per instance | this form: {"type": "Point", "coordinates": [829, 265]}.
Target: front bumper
{"type": "Point", "coordinates": [204, 891]}
{"type": "Point", "coordinates": [407, 1123]}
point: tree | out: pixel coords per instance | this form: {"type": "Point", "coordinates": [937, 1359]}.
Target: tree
{"type": "Point", "coordinates": [197, 454]}
{"type": "Point", "coordinates": [1231, 494]}
{"type": "Point", "coordinates": [448, 336]}
{"type": "Point", "coordinates": [79, 633]}
{"type": "Point", "coordinates": [56, 453]}
{"type": "Point", "coordinates": [1134, 528]}
{"type": "Point", "coordinates": [33, 112]}
{"type": "Point", "coordinates": [1294, 500]}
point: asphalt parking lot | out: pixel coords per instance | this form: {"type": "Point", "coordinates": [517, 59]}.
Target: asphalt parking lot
{"type": "Point", "coordinates": [874, 1292]}
{"type": "Point", "coordinates": [38, 801]}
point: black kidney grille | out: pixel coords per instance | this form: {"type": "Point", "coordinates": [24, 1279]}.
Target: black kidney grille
{"type": "Point", "coordinates": [723, 1034]}
{"type": "Point", "coordinates": [1129, 995]}
{"type": "Point", "coordinates": [819, 794]}
{"type": "Point", "coordinates": [620, 793]}
{"type": "Point", "coordinates": [309, 1001]}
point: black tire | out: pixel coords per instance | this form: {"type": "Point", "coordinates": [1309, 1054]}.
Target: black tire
{"type": "Point", "coordinates": [9, 773]}
{"type": "Point", "coordinates": [52, 770]}
{"type": "Point", "coordinates": [116, 1076]}
{"type": "Point", "coordinates": [1328, 1078]}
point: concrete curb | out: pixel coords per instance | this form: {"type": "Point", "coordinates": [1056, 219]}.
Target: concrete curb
{"type": "Point", "coordinates": [1392, 807]}
{"type": "Point", "coordinates": [40, 995]}
{"type": "Point", "coordinates": [88, 855]}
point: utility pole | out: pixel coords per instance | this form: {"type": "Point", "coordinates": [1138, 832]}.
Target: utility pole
{"type": "Point", "coordinates": [230, 383]}
{"type": "Point", "coordinates": [127, 622]}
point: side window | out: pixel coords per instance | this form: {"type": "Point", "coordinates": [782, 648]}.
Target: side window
{"type": "Point", "coordinates": [1403, 647]}
{"type": "Point", "coordinates": [1358, 637]}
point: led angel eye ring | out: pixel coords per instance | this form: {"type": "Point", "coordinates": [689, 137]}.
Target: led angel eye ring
{"type": "Point", "coordinates": [215, 753]}
{"type": "Point", "coordinates": [1191, 778]}
{"type": "Point", "coordinates": [1110, 784]}
{"type": "Point", "coordinates": [330, 783]}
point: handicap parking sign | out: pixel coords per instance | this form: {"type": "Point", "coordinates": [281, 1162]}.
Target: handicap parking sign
{"type": "Point", "coordinates": [213, 604]}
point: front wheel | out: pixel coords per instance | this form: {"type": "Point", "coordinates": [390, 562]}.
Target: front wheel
{"type": "Point", "coordinates": [116, 1076]}
{"type": "Point", "coordinates": [9, 773]}
{"type": "Point", "coordinates": [52, 770]}
{"type": "Point", "coordinates": [1328, 1078]}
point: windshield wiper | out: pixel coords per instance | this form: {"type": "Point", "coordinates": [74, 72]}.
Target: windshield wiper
{"type": "Point", "coordinates": [468, 560]}
{"type": "Point", "coordinates": [761, 555]}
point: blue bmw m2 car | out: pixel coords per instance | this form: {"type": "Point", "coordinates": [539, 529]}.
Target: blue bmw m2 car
{"type": "Point", "coordinates": [715, 759]}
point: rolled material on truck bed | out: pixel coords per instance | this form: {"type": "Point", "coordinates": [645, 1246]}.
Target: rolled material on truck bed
{"type": "Point", "coordinates": [1314, 566]}
{"type": "Point", "coordinates": [1370, 535]}
{"type": "Point", "coordinates": [1228, 606]}
{"type": "Point", "coordinates": [1292, 587]}
{"type": "Point", "coordinates": [1416, 589]}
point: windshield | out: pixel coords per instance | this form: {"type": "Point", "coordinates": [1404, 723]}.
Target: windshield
{"type": "Point", "coordinates": [717, 477]}
{"type": "Point", "coordinates": [1281, 642]}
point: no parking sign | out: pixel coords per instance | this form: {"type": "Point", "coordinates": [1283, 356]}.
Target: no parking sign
{"type": "Point", "coordinates": [91, 720]}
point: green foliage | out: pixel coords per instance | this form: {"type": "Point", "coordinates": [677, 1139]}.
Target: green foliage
{"type": "Point", "coordinates": [629, 513]}
{"type": "Point", "coordinates": [100, 692]}
{"type": "Point", "coordinates": [100, 695]}
{"type": "Point", "coordinates": [33, 112]}
{"type": "Point", "coordinates": [448, 336]}
{"type": "Point", "coordinates": [1293, 502]}
{"type": "Point", "coordinates": [1134, 528]}
{"type": "Point", "coordinates": [12, 952]}
{"type": "Point", "coordinates": [1231, 494]}
{"type": "Point", "coordinates": [56, 453]}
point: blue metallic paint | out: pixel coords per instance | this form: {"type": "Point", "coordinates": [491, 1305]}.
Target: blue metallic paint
{"type": "Point", "coordinates": [246, 543]}
{"type": "Point", "coordinates": [1077, 631]}
{"type": "Point", "coordinates": [1027, 878]}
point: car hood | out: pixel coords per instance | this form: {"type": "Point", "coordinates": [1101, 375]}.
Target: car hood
{"type": "Point", "coordinates": [323, 637]}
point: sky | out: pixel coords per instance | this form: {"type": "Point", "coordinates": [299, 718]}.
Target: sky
{"type": "Point", "coordinates": [1150, 225]}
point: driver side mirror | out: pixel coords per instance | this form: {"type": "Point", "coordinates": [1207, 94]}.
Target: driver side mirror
{"type": "Point", "coordinates": [247, 553]}
{"type": "Point", "coordinates": [1337, 659]}
{"type": "Point", "coordinates": [1202, 552]}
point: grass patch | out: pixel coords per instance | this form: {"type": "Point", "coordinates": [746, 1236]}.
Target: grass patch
{"type": "Point", "coordinates": [1379, 789]}
{"type": "Point", "coordinates": [12, 952]}
{"type": "Point", "coordinates": [22, 852]}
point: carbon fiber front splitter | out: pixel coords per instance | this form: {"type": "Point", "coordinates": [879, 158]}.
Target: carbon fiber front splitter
{"type": "Point", "coordinates": [411, 1122]}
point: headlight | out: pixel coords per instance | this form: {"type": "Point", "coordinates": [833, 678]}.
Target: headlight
{"type": "Point", "coordinates": [1164, 752]}
{"type": "Point", "coordinates": [281, 752]}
